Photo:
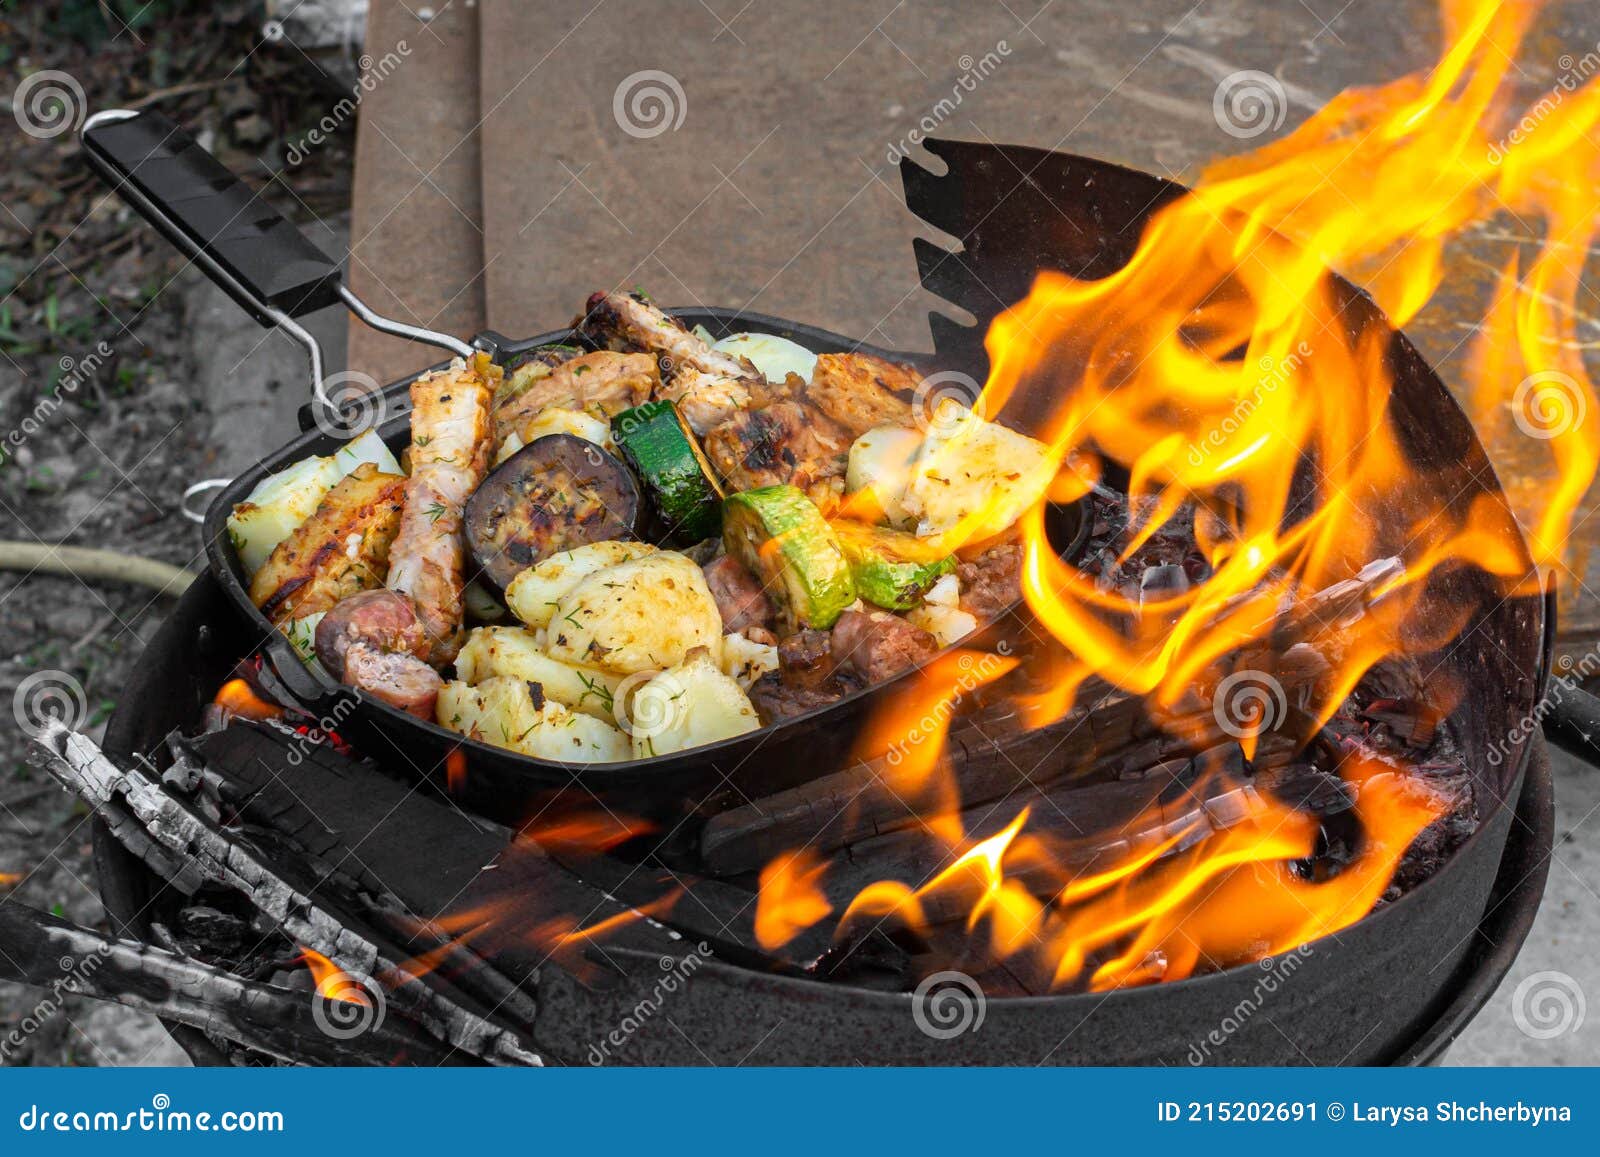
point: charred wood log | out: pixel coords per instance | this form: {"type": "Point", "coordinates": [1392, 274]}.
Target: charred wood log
{"type": "Point", "coordinates": [284, 1024]}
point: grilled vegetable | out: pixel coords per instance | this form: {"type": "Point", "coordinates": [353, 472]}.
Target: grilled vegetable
{"type": "Point", "coordinates": [688, 706]}
{"type": "Point", "coordinates": [881, 461]}
{"type": "Point", "coordinates": [535, 593]}
{"type": "Point", "coordinates": [658, 444]}
{"type": "Point", "coordinates": [640, 615]}
{"type": "Point", "coordinates": [775, 357]}
{"type": "Point", "coordinates": [512, 713]}
{"type": "Point", "coordinates": [976, 476]}
{"type": "Point", "coordinates": [552, 495]}
{"type": "Point", "coordinates": [491, 651]}
{"type": "Point", "coordinates": [555, 420]}
{"type": "Point", "coordinates": [780, 536]}
{"type": "Point", "coordinates": [891, 569]}
{"type": "Point", "coordinates": [341, 549]}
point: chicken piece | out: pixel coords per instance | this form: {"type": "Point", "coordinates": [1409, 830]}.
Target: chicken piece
{"type": "Point", "coordinates": [879, 646]}
{"type": "Point", "coordinates": [379, 618]}
{"type": "Point", "coordinates": [398, 679]}
{"type": "Point", "coordinates": [860, 391]}
{"type": "Point", "coordinates": [603, 384]}
{"type": "Point", "coordinates": [341, 549]}
{"type": "Point", "coordinates": [708, 386]}
{"type": "Point", "coordinates": [449, 456]}
{"type": "Point", "coordinates": [740, 599]}
{"type": "Point", "coordinates": [788, 442]}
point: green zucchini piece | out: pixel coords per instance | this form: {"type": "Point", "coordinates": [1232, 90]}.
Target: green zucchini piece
{"type": "Point", "coordinates": [891, 569]}
{"type": "Point", "coordinates": [658, 444]}
{"type": "Point", "coordinates": [783, 539]}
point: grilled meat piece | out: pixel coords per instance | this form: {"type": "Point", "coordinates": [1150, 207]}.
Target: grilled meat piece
{"type": "Point", "coordinates": [740, 599]}
{"type": "Point", "coordinates": [709, 387]}
{"type": "Point", "coordinates": [380, 619]}
{"type": "Point", "coordinates": [992, 582]}
{"type": "Point", "coordinates": [776, 699]}
{"type": "Point", "coordinates": [449, 457]}
{"type": "Point", "coordinates": [400, 680]}
{"type": "Point", "coordinates": [805, 659]}
{"type": "Point", "coordinates": [859, 391]}
{"type": "Point", "coordinates": [603, 384]}
{"type": "Point", "coordinates": [341, 549]}
{"type": "Point", "coordinates": [788, 442]}
{"type": "Point", "coordinates": [877, 646]}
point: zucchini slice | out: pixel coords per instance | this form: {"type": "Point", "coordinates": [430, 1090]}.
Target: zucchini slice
{"type": "Point", "coordinates": [782, 538]}
{"type": "Point", "coordinates": [891, 569]}
{"type": "Point", "coordinates": [658, 444]}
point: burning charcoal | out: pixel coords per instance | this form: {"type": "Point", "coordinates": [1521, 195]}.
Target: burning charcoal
{"type": "Point", "coordinates": [1162, 582]}
{"type": "Point", "coordinates": [1412, 722]}
{"type": "Point", "coordinates": [1310, 790]}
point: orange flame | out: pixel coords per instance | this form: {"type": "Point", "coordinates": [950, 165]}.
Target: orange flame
{"type": "Point", "coordinates": [789, 900]}
{"type": "Point", "coordinates": [333, 982]}
{"type": "Point", "coordinates": [237, 696]}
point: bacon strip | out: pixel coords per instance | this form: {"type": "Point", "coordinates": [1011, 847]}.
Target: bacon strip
{"type": "Point", "coordinates": [450, 447]}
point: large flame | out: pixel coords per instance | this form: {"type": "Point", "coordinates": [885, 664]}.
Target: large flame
{"type": "Point", "coordinates": [1218, 372]}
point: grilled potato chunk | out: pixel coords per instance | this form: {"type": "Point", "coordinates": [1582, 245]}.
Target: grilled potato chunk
{"type": "Point", "coordinates": [974, 477]}
{"type": "Point", "coordinates": [341, 549]}
{"type": "Point", "coordinates": [536, 592]}
{"type": "Point", "coordinates": [492, 651]}
{"type": "Point", "coordinates": [509, 712]}
{"type": "Point", "coordinates": [688, 706]}
{"type": "Point", "coordinates": [641, 615]}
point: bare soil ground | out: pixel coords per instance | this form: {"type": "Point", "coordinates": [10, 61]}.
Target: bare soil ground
{"type": "Point", "coordinates": [101, 423]}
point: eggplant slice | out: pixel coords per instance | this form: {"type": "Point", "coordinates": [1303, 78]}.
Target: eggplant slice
{"type": "Point", "coordinates": [556, 493]}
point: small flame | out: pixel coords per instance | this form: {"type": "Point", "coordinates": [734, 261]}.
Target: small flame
{"type": "Point", "coordinates": [333, 982]}
{"type": "Point", "coordinates": [790, 899]}
{"type": "Point", "coordinates": [240, 698]}
{"type": "Point", "coordinates": [8, 879]}
{"type": "Point", "coordinates": [455, 771]}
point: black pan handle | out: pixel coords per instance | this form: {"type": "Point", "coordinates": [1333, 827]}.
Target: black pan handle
{"type": "Point", "coordinates": [1572, 721]}
{"type": "Point", "coordinates": [261, 260]}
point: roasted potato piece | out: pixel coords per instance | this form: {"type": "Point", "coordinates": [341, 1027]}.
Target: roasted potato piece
{"type": "Point", "coordinates": [341, 549]}
{"type": "Point", "coordinates": [535, 593]}
{"type": "Point", "coordinates": [637, 616]}
{"type": "Point", "coordinates": [491, 651]}
{"type": "Point", "coordinates": [688, 706]}
{"type": "Point", "coordinates": [514, 714]}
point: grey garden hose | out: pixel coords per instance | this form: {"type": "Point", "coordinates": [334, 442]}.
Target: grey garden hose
{"type": "Point", "coordinates": [87, 563]}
